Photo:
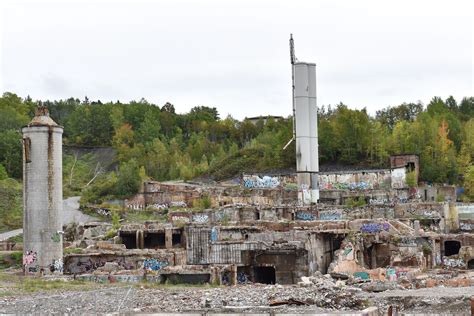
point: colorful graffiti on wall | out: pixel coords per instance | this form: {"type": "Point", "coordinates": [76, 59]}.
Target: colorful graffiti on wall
{"type": "Point", "coordinates": [200, 218]}
{"type": "Point", "coordinates": [333, 215]}
{"type": "Point", "coordinates": [255, 182]}
{"type": "Point", "coordinates": [154, 264]}
{"type": "Point", "coordinates": [372, 228]}
{"type": "Point", "coordinates": [57, 266]}
{"type": "Point", "coordinates": [29, 257]}
{"type": "Point", "coordinates": [305, 216]}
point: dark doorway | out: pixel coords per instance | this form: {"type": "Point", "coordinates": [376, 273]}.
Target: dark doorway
{"type": "Point", "coordinates": [470, 264]}
{"type": "Point", "coordinates": [264, 275]}
{"type": "Point", "coordinates": [154, 240]}
{"type": "Point", "coordinates": [129, 240]}
{"type": "Point", "coordinates": [451, 247]}
{"type": "Point", "coordinates": [176, 240]}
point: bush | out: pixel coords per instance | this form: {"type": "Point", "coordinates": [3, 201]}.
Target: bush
{"type": "Point", "coordinates": [110, 234]}
{"type": "Point", "coordinates": [411, 179]}
{"type": "Point", "coordinates": [356, 202]}
{"type": "Point", "coordinates": [115, 220]}
{"type": "Point", "coordinates": [129, 179]}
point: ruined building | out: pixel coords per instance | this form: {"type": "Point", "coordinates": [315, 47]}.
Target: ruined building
{"type": "Point", "coordinates": [42, 194]}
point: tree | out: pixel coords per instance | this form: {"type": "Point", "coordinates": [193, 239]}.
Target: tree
{"type": "Point", "coordinates": [128, 181]}
{"type": "Point", "coordinates": [11, 152]}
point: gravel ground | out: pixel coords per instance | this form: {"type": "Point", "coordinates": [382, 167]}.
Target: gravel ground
{"type": "Point", "coordinates": [248, 298]}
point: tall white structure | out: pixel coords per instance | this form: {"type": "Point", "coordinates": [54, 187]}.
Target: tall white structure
{"type": "Point", "coordinates": [305, 128]}
{"type": "Point", "coordinates": [42, 194]}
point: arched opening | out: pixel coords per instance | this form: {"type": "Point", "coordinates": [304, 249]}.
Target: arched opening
{"type": "Point", "coordinates": [470, 264]}
{"type": "Point", "coordinates": [451, 247]}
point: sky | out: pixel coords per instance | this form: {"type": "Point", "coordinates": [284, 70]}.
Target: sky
{"type": "Point", "coordinates": [234, 55]}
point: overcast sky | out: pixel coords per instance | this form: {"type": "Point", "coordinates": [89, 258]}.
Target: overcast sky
{"type": "Point", "coordinates": [234, 55]}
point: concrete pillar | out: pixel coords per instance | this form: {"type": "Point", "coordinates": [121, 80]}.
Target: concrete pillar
{"type": "Point", "coordinates": [42, 195]}
{"type": "Point", "coordinates": [433, 252]}
{"type": "Point", "coordinates": [168, 238]}
{"type": "Point", "coordinates": [140, 239]}
{"type": "Point", "coordinates": [416, 227]}
{"type": "Point", "coordinates": [233, 274]}
{"type": "Point", "coordinates": [373, 257]}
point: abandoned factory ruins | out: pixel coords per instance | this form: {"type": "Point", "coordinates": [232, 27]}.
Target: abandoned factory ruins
{"type": "Point", "coordinates": [354, 225]}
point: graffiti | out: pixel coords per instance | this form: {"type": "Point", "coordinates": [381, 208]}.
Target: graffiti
{"type": "Point", "coordinates": [266, 182]}
{"type": "Point", "coordinates": [154, 265]}
{"type": "Point", "coordinates": [361, 275]}
{"type": "Point", "coordinates": [29, 257]}
{"type": "Point", "coordinates": [454, 263]}
{"type": "Point", "coordinates": [402, 272]}
{"type": "Point", "coordinates": [383, 212]}
{"type": "Point", "coordinates": [374, 227]}
{"type": "Point", "coordinates": [33, 269]}
{"type": "Point", "coordinates": [135, 207]}
{"type": "Point", "coordinates": [346, 186]}
{"type": "Point", "coordinates": [407, 242]}
{"type": "Point", "coordinates": [57, 265]}
{"type": "Point", "coordinates": [398, 178]}
{"type": "Point", "coordinates": [242, 278]}
{"type": "Point", "coordinates": [330, 215]}
{"type": "Point", "coordinates": [347, 251]}
{"type": "Point", "coordinates": [200, 218]}
{"type": "Point", "coordinates": [158, 206]}
{"type": "Point", "coordinates": [103, 212]}
{"type": "Point", "coordinates": [180, 218]}
{"type": "Point", "coordinates": [391, 274]}
{"type": "Point", "coordinates": [379, 201]}
{"type": "Point", "coordinates": [425, 213]}
{"type": "Point", "coordinates": [56, 237]}
{"type": "Point", "coordinates": [178, 204]}
{"type": "Point", "coordinates": [466, 226]}
{"type": "Point", "coordinates": [304, 216]}
{"type": "Point", "coordinates": [213, 234]}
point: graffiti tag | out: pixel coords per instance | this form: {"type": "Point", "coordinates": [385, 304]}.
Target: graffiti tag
{"type": "Point", "coordinates": [304, 216]}
{"type": "Point", "coordinates": [154, 265]}
{"type": "Point", "coordinates": [374, 227]}
{"type": "Point", "coordinates": [266, 182]}
{"type": "Point", "coordinates": [200, 218]}
{"type": "Point", "coordinates": [29, 257]}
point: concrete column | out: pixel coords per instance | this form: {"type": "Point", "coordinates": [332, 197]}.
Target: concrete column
{"type": "Point", "coordinates": [168, 238]}
{"type": "Point", "coordinates": [416, 227]}
{"type": "Point", "coordinates": [140, 239]}
{"type": "Point", "coordinates": [373, 257]}
{"type": "Point", "coordinates": [233, 274]}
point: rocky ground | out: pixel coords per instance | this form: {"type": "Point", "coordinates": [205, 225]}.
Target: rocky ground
{"type": "Point", "coordinates": [315, 297]}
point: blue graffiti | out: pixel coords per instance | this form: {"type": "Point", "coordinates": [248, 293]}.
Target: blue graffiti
{"type": "Point", "coordinates": [265, 182]}
{"type": "Point", "coordinates": [154, 265]}
{"type": "Point", "coordinates": [330, 216]}
{"type": "Point", "coordinates": [304, 216]}
{"type": "Point", "coordinates": [374, 227]}
{"type": "Point", "coordinates": [213, 234]}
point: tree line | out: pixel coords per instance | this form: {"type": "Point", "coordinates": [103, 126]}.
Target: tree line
{"type": "Point", "coordinates": [155, 142]}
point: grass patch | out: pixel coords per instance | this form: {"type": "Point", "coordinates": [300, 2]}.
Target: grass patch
{"type": "Point", "coordinates": [30, 285]}
{"type": "Point", "coordinates": [141, 216]}
{"type": "Point", "coordinates": [11, 259]}
{"type": "Point", "coordinates": [68, 251]}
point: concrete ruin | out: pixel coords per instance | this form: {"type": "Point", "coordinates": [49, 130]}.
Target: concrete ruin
{"type": "Point", "coordinates": [256, 233]}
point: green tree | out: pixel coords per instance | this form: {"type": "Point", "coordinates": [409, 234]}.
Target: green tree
{"type": "Point", "coordinates": [11, 152]}
{"type": "Point", "coordinates": [128, 180]}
